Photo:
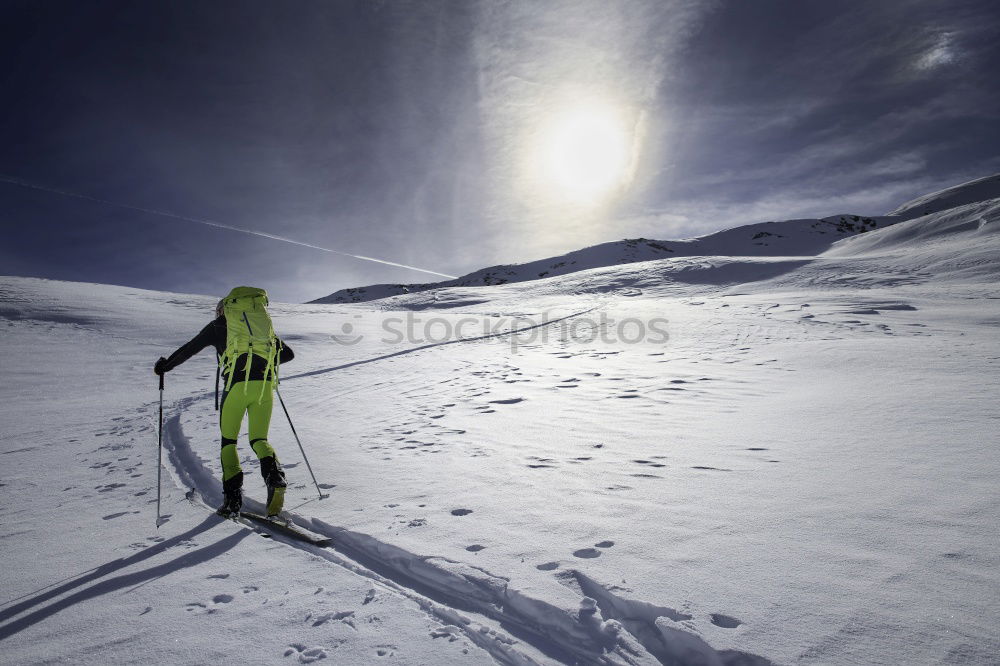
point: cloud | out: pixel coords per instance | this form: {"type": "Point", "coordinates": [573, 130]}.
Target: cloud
{"type": "Point", "coordinates": [943, 52]}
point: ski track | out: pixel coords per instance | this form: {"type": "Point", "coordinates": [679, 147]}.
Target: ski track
{"type": "Point", "coordinates": [450, 591]}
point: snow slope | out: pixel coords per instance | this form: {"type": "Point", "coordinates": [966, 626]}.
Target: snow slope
{"type": "Point", "coordinates": [803, 237]}
{"type": "Point", "coordinates": [981, 189]}
{"type": "Point", "coordinates": [802, 470]}
{"type": "Point", "coordinates": [766, 239]}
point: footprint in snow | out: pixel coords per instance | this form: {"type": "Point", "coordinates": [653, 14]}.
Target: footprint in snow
{"type": "Point", "coordinates": [725, 621]}
{"type": "Point", "coordinates": [475, 548]}
{"type": "Point", "coordinates": [587, 553]}
{"type": "Point", "coordinates": [506, 401]}
{"type": "Point", "coordinates": [449, 631]}
{"type": "Point", "coordinates": [604, 544]}
{"type": "Point", "coordinates": [343, 616]}
{"type": "Point", "coordinates": [222, 598]}
{"type": "Point", "coordinates": [461, 512]}
{"type": "Point", "coordinates": [196, 606]}
{"type": "Point", "coordinates": [548, 566]}
{"type": "Point", "coordinates": [304, 654]}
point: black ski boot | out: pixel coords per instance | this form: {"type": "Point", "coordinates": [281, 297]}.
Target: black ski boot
{"type": "Point", "coordinates": [232, 502]}
{"type": "Point", "coordinates": [274, 478]}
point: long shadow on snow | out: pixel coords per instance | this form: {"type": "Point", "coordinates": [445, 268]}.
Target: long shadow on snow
{"type": "Point", "coordinates": [102, 587]}
{"type": "Point", "coordinates": [517, 627]}
{"type": "Point", "coordinates": [406, 575]}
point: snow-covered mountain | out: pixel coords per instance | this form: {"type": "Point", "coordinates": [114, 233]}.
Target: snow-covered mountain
{"type": "Point", "coordinates": [802, 237]}
{"type": "Point", "coordinates": [722, 457]}
{"type": "Point", "coordinates": [766, 239]}
{"type": "Point", "coordinates": [980, 189]}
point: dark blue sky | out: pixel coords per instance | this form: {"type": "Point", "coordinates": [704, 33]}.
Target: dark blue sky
{"type": "Point", "coordinates": [408, 131]}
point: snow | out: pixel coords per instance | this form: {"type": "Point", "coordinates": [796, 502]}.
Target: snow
{"type": "Point", "coordinates": [981, 189]}
{"type": "Point", "coordinates": [803, 237]}
{"type": "Point", "coordinates": [804, 471]}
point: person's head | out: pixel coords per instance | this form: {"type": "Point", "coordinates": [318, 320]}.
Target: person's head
{"type": "Point", "coordinates": [219, 306]}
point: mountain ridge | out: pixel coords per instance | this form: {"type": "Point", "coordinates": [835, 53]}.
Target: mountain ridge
{"type": "Point", "coordinates": [784, 238]}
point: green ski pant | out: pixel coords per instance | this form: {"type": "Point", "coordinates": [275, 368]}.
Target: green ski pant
{"type": "Point", "coordinates": [245, 398]}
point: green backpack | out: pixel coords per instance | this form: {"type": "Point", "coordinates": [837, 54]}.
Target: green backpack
{"type": "Point", "coordinates": [249, 331]}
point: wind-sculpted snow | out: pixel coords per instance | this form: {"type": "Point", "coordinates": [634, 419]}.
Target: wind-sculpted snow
{"type": "Point", "coordinates": [981, 189]}
{"type": "Point", "coordinates": [959, 246]}
{"type": "Point", "coordinates": [969, 224]}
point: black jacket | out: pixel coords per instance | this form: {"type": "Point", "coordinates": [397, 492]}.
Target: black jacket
{"type": "Point", "coordinates": [215, 335]}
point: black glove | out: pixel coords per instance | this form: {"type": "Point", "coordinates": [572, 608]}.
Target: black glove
{"type": "Point", "coordinates": [161, 366]}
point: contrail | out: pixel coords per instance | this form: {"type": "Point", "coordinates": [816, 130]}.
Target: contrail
{"type": "Point", "coordinates": [212, 223]}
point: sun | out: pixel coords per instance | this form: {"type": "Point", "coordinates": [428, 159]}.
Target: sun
{"type": "Point", "coordinates": [583, 152]}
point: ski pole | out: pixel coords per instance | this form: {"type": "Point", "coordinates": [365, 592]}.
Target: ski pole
{"type": "Point", "coordinates": [159, 455]}
{"type": "Point", "coordinates": [292, 426]}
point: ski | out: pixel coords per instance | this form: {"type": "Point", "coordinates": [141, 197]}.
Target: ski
{"type": "Point", "coordinates": [287, 529]}
{"type": "Point", "coordinates": [267, 526]}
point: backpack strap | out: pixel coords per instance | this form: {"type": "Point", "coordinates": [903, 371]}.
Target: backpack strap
{"type": "Point", "coordinates": [218, 367]}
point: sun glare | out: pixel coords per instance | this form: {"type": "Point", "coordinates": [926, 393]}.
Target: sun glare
{"type": "Point", "coordinates": [584, 153]}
